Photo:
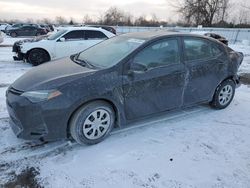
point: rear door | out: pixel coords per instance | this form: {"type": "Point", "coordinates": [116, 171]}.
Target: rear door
{"type": "Point", "coordinates": [91, 38]}
{"type": "Point", "coordinates": [158, 85]}
{"type": "Point", "coordinates": [207, 67]}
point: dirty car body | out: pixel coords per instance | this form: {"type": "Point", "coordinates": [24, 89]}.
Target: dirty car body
{"type": "Point", "coordinates": [127, 72]}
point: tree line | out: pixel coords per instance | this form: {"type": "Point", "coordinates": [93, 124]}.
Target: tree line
{"type": "Point", "coordinates": [208, 13]}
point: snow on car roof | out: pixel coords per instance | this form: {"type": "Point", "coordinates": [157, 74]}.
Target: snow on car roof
{"type": "Point", "coordinates": [81, 28]}
{"type": "Point", "coordinates": [199, 32]}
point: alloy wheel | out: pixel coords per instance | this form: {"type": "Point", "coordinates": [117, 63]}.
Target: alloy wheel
{"type": "Point", "coordinates": [225, 95]}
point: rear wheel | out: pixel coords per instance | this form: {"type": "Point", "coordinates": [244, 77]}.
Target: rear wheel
{"type": "Point", "coordinates": [38, 56]}
{"type": "Point", "coordinates": [224, 94]}
{"type": "Point", "coordinates": [92, 123]}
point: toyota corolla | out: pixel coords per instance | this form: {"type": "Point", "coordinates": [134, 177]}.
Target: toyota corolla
{"type": "Point", "coordinates": [118, 81]}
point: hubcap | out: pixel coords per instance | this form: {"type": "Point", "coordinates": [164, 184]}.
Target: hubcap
{"type": "Point", "coordinates": [225, 95]}
{"type": "Point", "coordinates": [96, 124]}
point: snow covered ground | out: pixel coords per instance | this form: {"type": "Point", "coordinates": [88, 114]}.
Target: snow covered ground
{"type": "Point", "coordinates": [195, 147]}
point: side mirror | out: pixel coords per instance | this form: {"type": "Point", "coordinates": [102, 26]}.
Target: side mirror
{"type": "Point", "coordinates": [62, 39]}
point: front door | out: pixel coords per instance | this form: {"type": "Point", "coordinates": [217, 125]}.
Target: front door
{"type": "Point", "coordinates": [70, 44]}
{"type": "Point", "coordinates": [155, 79]}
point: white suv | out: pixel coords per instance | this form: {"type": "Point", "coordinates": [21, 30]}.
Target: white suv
{"type": "Point", "coordinates": [65, 42]}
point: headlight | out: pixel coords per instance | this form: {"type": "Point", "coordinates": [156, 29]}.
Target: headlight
{"type": "Point", "coordinates": [42, 95]}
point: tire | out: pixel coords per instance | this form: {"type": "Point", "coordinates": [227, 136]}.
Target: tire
{"type": "Point", "coordinates": [38, 34]}
{"type": "Point", "coordinates": [38, 56]}
{"type": "Point", "coordinates": [13, 34]}
{"type": "Point", "coordinates": [90, 118]}
{"type": "Point", "coordinates": [224, 94]}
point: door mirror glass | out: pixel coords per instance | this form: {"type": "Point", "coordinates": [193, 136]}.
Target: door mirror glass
{"type": "Point", "coordinates": [62, 39]}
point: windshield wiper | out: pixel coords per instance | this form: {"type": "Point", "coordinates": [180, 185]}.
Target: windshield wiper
{"type": "Point", "coordinates": [82, 62]}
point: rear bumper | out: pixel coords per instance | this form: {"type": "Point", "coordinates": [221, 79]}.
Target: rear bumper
{"type": "Point", "coordinates": [237, 80]}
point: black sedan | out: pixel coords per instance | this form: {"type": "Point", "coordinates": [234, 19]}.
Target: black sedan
{"type": "Point", "coordinates": [26, 30]}
{"type": "Point", "coordinates": [121, 80]}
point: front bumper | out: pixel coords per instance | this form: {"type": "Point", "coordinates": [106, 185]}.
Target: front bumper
{"type": "Point", "coordinates": [32, 121]}
{"type": "Point", "coordinates": [17, 50]}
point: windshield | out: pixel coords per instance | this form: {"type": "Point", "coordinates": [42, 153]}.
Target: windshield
{"type": "Point", "coordinates": [110, 52]}
{"type": "Point", "coordinates": [56, 35]}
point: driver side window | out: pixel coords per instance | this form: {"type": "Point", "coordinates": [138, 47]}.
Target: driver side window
{"type": "Point", "coordinates": [160, 53]}
{"type": "Point", "coordinates": [74, 35]}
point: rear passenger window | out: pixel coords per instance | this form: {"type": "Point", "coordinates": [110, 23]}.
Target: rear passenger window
{"type": "Point", "coordinates": [197, 49]}
{"type": "Point", "coordinates": [216, 50]}
{"type": "Point", "coordinates": [94, 35]}
{"type": "Point", "coordinates": [74, 35]}
{"type": "Point", "coordinates": [160, 53]}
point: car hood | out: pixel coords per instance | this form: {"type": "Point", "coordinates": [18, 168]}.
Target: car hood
{"type": "Point", "coordinates": [36, 39]}
{"type": "Point", "coordinates": [51, 75]}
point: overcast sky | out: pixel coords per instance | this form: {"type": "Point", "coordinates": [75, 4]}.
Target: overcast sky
{"type": "Point", "coordinates": [38, 9]}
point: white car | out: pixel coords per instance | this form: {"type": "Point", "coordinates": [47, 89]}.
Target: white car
{"type": "Point", "coordinates": [65, 42]}
{"type": "Point", "coordinates": [1, 37]}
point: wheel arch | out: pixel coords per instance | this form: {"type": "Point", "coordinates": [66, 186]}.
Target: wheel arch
{"type": "Point", "coordinates": [118, 116]}
{"type": "Point", "coordinates": [38, 48]}
{"type": "Point", "coordinates": [231, 77]}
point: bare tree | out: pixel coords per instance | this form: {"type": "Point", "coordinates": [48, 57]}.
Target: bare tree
{"type": "Point", "coordinates": [225, 7]}
{"type": "Point", "coordinates": [61, 20]}
{"type": "Point", "coordinates": [141, 21]}
{"type": "Point", "coordinates": [202, 12]}
{"type": "Point", "coordinates": [113, 16]}
{"type": "Point", "coordinates": [87, 19]}
{"type": "Point", "coordinates": [128, 19]}
{"type": "Point", "coordinates": [46, 21]}
{"type": "Point", "coordinates": [154, 20]}
{"type": "Point", "coordinates": [243, 16]}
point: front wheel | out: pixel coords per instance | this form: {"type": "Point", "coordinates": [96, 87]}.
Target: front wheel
{"type": "Point", "coordinates": [92, 123]}
{"type": "Point", "coordinates": [224, 94]}
{"type": "Point", "coordinates": [38, 56]}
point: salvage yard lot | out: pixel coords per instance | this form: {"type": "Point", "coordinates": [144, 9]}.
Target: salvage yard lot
{"type": "Point", "coordinates": [195, 147]}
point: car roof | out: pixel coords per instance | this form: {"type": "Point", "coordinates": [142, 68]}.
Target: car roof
{"type": "Point", "coordinates": [82, 28]}
{"type": "Point", "coordinates": [160, 33]}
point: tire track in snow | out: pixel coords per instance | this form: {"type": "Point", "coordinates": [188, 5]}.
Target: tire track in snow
{"type": "Point", "coordinates": [26, 152]}
{"type": "Point", "coordinates": [31, 149]}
